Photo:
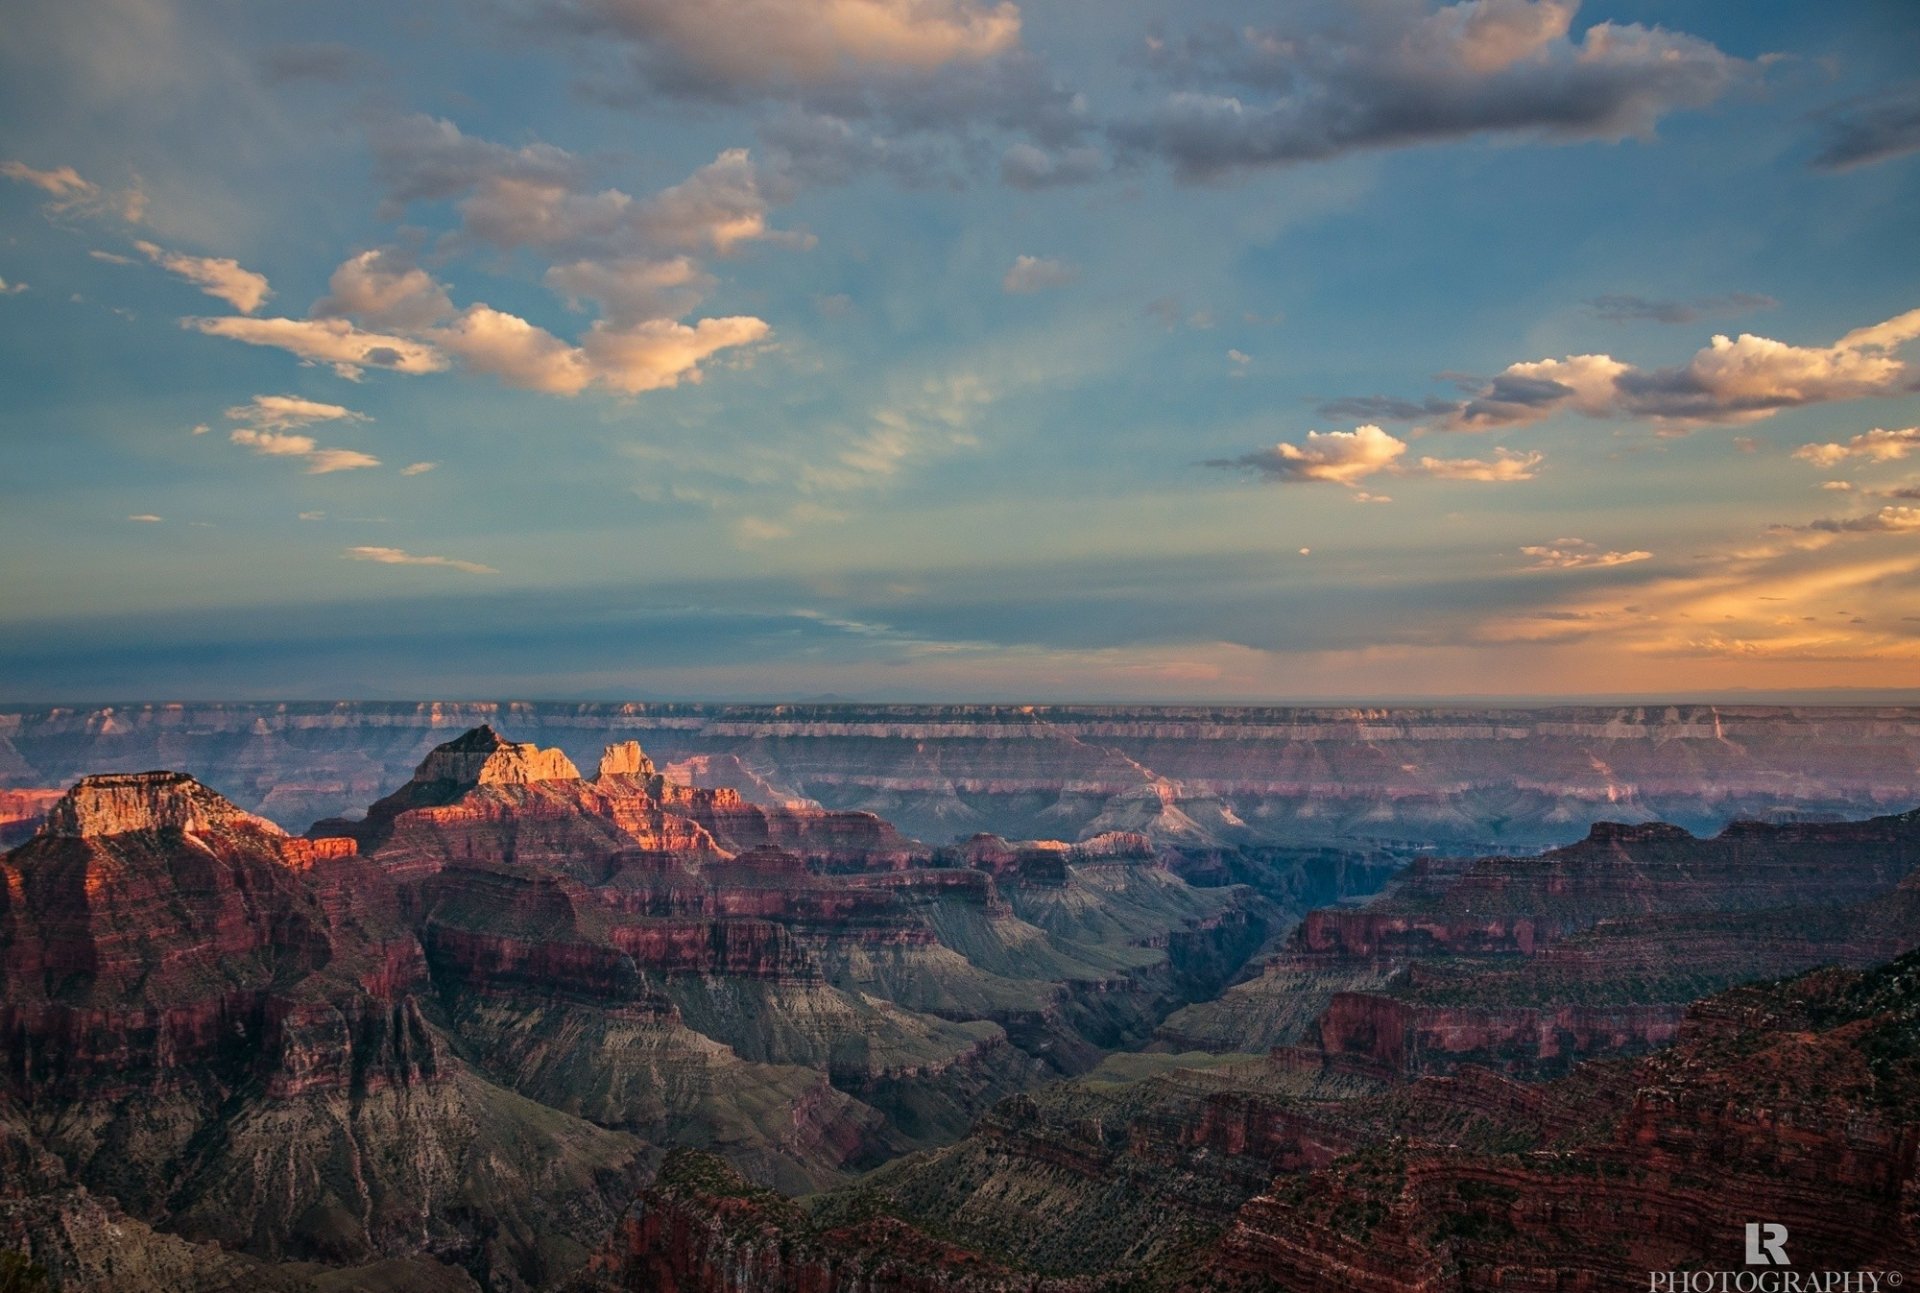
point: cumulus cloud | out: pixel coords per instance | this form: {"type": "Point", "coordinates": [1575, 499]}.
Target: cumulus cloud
{"type": "Point", "coordinates": [282, 444]}
{"type": "Point", "coordinates": [1732, 380]}
{"type": "Point", "coordinates": [1350, 457]}
{"type": "Point", "coordinates": [1625, 308]}
{"type": "Point", "coordinates": [328, 341]}
{"type": "Point", "coordinates": [287, 412]}
{"type": "Point", "coordinates": [69, 193]}
{"type": "Point", "coordinates": [1877, 445]}
{"type": "Point", "coordinates": [1871, 130]}
{"type": "Point", "coordinates": [764, 44]}
{"type": "Point", "coordinates": [11, 289]}
{"type": "Point", "coordinates": [1036, 274]}
{"type": "Point", "coordinates": [538, 196]}
{"type": "Point", "coordinates": [1577, 554]}
{"type": "Point", "coordinates": [219, 277]}
{"type": "Point", "coordinates": [418, 468]}
{"type": "Point", "coordinates": [1339, 457]}
{"type": "Point", "coordinates": [401, 557]}
{"type": "Point", "coordinates": [383, 288]}
{"type": "Point", "coordinates": [653, 354]}
{"type": "Point", "coordinates": [1399, 73]}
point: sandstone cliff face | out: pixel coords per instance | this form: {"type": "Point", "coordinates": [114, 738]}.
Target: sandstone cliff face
{"type": "Point", "coordinates": [1194, 777]}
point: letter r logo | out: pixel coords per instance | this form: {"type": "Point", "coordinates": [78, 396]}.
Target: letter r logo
{"type": "Point", "coordinates": [1770, 1250]}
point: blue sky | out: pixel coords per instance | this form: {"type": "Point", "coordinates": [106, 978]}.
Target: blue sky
{"type": "Point", "coordinates": [951, 349]}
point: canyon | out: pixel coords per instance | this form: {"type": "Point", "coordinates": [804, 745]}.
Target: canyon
{"type": "Point", "coordinates": [1462, 778]}
{"type": "Point", "coordinates": [667, 1017]}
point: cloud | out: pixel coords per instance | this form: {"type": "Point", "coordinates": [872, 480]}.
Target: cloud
{"type": "Point", "coordinates": [654, 354]}
{"type": "Point", "coordinates": [1577, 554]}
{"type": "Point", "coordinates": [68, 193]}
{"type": "Point", "coordinates": [1339, 457]}
{"type": "Point", "coordinates": [325, 61]}
{"type": "Point", "coordinates": [328, 341]}
{"type": "Point", "coordinates": [320, 462]}
{"type": "Point", "coordinates": [1622, 308]}
{"type": "Point", "coordinates": [1796, 598]}
{"type": "Point", "coordinates": [219, 277]}
{"type": "Point", "coordinates": [1871, 130]}
{"type": "Point", "coordinates": [384, 289]}
{"type": "Point", "coordinates": [1398, 74]}
{"type": "Point", "coordinates": [418, 468]}
{"type": "Point", "coordinates": [401, 557]}
{"type": "Point", "coordinates": [1036, 274]}
{"type": "Point", "coordinates": [1349, 457]}
{"type": "Point", "coordinates": [764, 44]}
{"type": "Point", "coordinates": [632, 289]}
{"type": "Point", "coordinates": [11, 289]}
{"type": "Point", "coordinates": [1732, 380]}
{"type": "Point", "coordinates": [537, 196]}
{"type": "Point", "coordinates": [1877, 445]}
{"type": "Point", "coordinates": [1025, 166]}
{"type": "Point", "coordinates": [1388, 408]}
{"type": "Point", "coordinates": [147, 518]}
{"type": "Point", "coordinates": [1505, 465]}
{"type": "Point", "coordinates": [1892, 519]}
{"type": "Point", "coordinates": [287, 412]}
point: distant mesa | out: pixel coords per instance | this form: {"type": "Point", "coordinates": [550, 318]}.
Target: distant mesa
{"type": "Point", "coordinates": [117, 803]}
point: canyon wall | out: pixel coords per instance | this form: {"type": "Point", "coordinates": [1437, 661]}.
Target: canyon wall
{"type": "Point", "coordinates": [1459, 777]}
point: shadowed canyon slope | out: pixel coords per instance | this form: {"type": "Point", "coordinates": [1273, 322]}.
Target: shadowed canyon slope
{"type": "Point", "coordinates": [1391, 1148]}
{"type": "Point", "coordinates": [1459, 777]}
{"type": "Point", "coordinates": [459, 1030]}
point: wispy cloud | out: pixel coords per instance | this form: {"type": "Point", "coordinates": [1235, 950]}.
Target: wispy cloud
{"type": "Point", "coordinates": [418, 468]}
{"type": "Point", "coordinates": [320, 462]}
{"type": "Point", "coordinates": [1030, 274]}
{"type": "Point", "coordinates": [1578, 554]}
{"type": "Point", "coordinates": [1873, 129]}
{"type": "Point", "coordinates": [287, 412]}
{"type": "Point", "coordinates": [401, 557]}
{"type": "Point", "coordinates": [69, 193]}
{"type": "Point", "coordinates": [1624, 308]}
{"type": "Point", "coordinates": [219, 277]}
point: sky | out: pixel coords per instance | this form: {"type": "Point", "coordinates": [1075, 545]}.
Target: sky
{"type": "Point", "coordinates": [921, 350]}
